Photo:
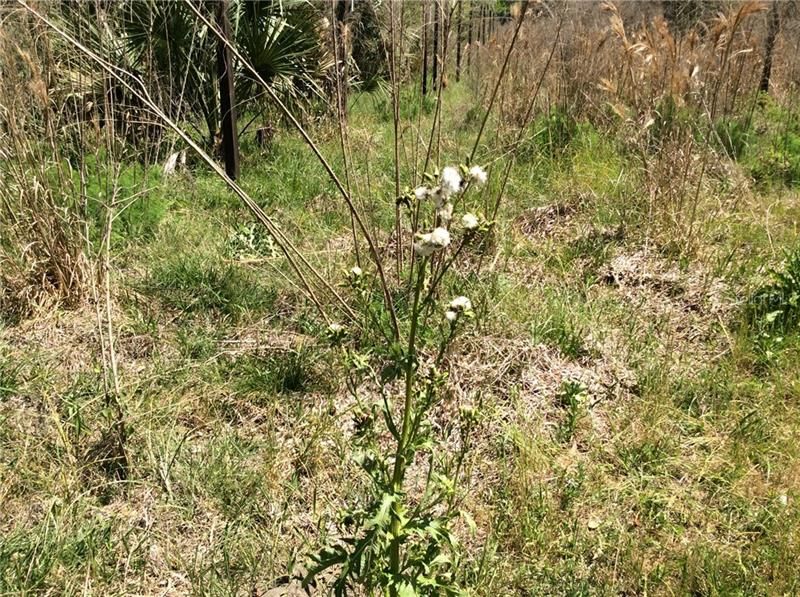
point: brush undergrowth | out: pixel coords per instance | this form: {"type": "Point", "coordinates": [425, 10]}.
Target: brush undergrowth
{"type": "Point", "coordinates": [602, 415]}
{"type": "Point", "coordinates": [550, 505]}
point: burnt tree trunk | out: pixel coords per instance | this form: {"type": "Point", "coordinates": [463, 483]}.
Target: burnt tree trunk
{"type": "Point", "coordinates": [469, 38]}
{"type": "Point", "coordinates": [458, 43]}
{"type": "Point", "coordinates": [484, 12]}
{"type": "Point", "coordinates": [227, 100]}
{"type": "Point", "coordinates": [435, 66]}
{"type": "Point", "coordinates": [773, 25]}
{"type": "Point", "coordinates": [424, 49]}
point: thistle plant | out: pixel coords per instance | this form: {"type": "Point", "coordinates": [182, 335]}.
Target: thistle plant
{"type": "Point", "coordinates": [399, 542]}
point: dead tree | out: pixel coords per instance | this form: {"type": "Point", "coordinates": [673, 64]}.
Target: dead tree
{"type": "Point", "coordinates": [227, 99]}
{"type": "Point", "coordinates": [470, 37]}
{"type": "Point", "coordinates": [435, 66]}
{"type": "Point", "coordinates": [424, 48]}
{"type": "Point", "coordinates": [458, 43]}
{"type": "Point", "coordinates": [773, 25]}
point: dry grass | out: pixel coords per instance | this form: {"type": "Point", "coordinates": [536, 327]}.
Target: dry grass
{"type": "Point", "coordinates": [632, 434]}
{"type": "Point", "coordinates": [43, 246]}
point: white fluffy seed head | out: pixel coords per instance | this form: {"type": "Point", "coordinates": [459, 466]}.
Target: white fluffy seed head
{"type": "Point", "coordinates": [439, 197]}
{"type": "Point", "coordinates": [440, 237]}
{"type": "Point", "coordinates": [470, 221]}
{"type": "Point", "coordinates": [460, 303]}
{"type": "Point", "coordinates": [427, 243]}
{"type": "Point", "coordinates": [423, 249]}
{"type": "Point", "coordinates": [450, 181]}
{"type": "Point", "coordinates": [445, 212]}
{"type": "Point", "coordinates": [478, 176]}
{"type": "Point", "coordinates": [421, 193]}
{"type": "Point", "coordinates": [356, 272]}
{"type": "Point", "coordinates": [457, 307]}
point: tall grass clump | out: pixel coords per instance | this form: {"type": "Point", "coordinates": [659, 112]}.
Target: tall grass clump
{"type": "Point", "coordinates": [42, 249]}
{"type": "Point", "coordinates": [192, 285]}
{"type": "Point", "coordinates": [684, 101]}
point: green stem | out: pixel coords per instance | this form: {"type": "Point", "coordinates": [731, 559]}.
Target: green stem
{"type": "Point", "coordinates": [405, 432]}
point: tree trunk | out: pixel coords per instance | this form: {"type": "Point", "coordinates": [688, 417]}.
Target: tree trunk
{"type": "Point", "coordinates": [773, 25]}
{"type": "Point", "coordinates": [435, 69]}
{"type": "Point", "coordinates": [227, 101]}
{"type": "Point", "coordinates": [458, 43]}
{"type": "Point", "coordinates": [682, 15]}
{"type": "Point", "coordinates": [341, 14]}
{"type": "Point", "coordinates": [341, 10]}
{"type": "Point", "coordinates": [469, 37]}
{"type": "Point", "coordinates": [480, 25]}
{"type": "Point", "coordinates": [424, 48]}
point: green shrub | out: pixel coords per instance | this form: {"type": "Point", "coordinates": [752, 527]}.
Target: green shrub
{"type": "Point", "coordinates": [774, 157]}
{"type": "Point", "coordinates": [779, 162]}
{"type": "Point", "coordinates": [250, 240]}
{"type": "Point", "coordinates": [773, 311]}
{"type": "Point", "coordinates": [141, 200]}
{"type": "Point", "coordinates": [777, 304]}
{"type": "Point", "coordinates": [572, 398]}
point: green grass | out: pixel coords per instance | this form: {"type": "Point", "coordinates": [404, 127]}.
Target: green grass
{"type": "Point", "coordinates": [773, 156]}
{"type": "Point", "coordinates": [61, 549]}
{"type": "Point", "coordinates": [633, 438]}
{"type": "Point", "coordinates": [292, 371]}
{"type": "Point", "coordinates": [191, 285]}
{"type": "Point", "coordinates": [9, 381]}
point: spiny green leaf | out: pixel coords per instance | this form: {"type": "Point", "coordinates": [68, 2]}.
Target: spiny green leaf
{"type": "Point", "coordinates": [382, 517]}
{"type": "Point", "coordinates": [405, 589]}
